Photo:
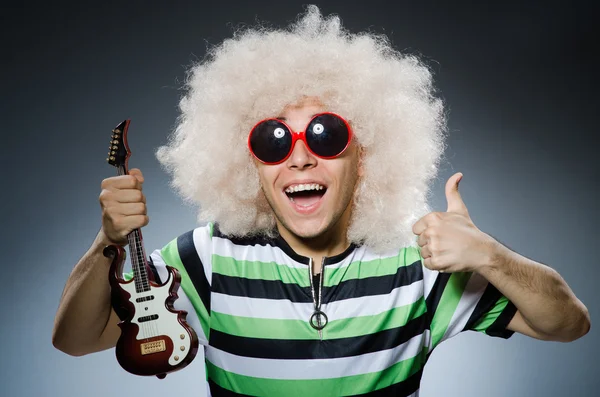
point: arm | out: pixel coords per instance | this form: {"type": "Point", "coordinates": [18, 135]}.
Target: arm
{"type": "Point", "coordinates": [547, 308]}
{"type": "Point", "coordinates": [85, 322]}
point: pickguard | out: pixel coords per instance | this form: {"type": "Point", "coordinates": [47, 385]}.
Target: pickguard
{"type": "Point", "coordinates": [166, 324]}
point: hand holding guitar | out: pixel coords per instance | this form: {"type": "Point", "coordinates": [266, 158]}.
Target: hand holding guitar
{"type": "Point", "coordinates": [123, 206]}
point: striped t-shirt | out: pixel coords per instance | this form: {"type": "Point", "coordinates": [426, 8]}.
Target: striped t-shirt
{"type": "Point", "coordinates": [249, 301]}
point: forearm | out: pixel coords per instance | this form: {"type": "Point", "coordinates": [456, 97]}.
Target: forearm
{"type": "Point", "coordinates": [85, 307]}
{"type": "Point", "coordinates": [543, 298]}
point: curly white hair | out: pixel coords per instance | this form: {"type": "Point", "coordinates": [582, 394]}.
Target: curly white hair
{"type": "Point", "coordinates": [388, 97]}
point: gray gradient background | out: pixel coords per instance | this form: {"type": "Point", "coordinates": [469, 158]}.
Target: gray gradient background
{"type": "Point", "coordinates": [521, 91]}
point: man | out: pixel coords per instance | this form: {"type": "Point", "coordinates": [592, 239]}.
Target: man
{"type": "Point", "coordinates": [320, 270]}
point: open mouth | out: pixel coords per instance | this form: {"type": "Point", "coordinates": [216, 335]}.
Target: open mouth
{"type": "Point", "coordinates": [305, 198]}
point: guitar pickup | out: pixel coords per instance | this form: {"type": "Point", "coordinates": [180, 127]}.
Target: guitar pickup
{"type": "Point", "coordinates": [153, 347]}
{"type": "Point", "coordinates": [145, 298]}
{"type": "Point", "coordinates": [147, 318]}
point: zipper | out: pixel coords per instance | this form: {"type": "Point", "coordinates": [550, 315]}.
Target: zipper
{"type": "Point", "coordinates": [318, 320]}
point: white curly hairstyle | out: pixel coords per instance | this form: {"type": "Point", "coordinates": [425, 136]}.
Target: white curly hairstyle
{"type": "Point", "coordinates": [387, 96]}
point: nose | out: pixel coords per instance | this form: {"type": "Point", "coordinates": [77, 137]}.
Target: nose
{"type": "Point", "coordinates": [301, 157]}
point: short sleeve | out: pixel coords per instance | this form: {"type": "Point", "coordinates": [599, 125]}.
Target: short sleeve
{"type": "Point", "coordinates": [459, 302]}
{"type": "Point", "coordinates": [190, 254]}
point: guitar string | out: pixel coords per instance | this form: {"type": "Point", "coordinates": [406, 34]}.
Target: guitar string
{"type": "Point", "coordinates": [141, 281]}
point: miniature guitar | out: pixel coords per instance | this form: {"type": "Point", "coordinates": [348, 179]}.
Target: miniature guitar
{"type": "Point", "coordinates": [155, 338]}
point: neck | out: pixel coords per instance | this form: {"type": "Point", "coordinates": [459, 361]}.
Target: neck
{"type": "Point", "coordinates": [330, 243]}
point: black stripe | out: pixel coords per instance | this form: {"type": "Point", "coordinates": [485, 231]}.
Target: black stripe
{"type": "Point", "coordinates": [400, 389]}
{"type": "Point", "coordinates": [154, 273]}
{"type": "Point", "coordinates": [314, 349]}
{"type": "Point", "coordinates": [264, 289]}
{"type": "Point", "coordinates": [218, 391]}
{"type": "Point", "coordinates": [380, 285]}
{"type": "Point", "coordinates": [498, 327]}
{"type": "Point", "coordinates": [433, 300]}
{"type": "Point", "coordinates": [487, 301]}
{"type": "Point", "coordinates": [354, 288]}
{"type": "Point", "coordinates": [193, 266]}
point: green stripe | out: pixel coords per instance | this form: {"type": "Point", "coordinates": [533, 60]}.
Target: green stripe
{"type": "Point", "coordinates": [257, 270]}
{"type": "Point", "coordinates": [488, 319]}
{"type": "Point", "coordinates": [360, 270]}
{"type": "Point", "coordinates": [170, 255]}
{"type": "Point", "coordinates": [447, 306]}
{"type": "Point", "coordinates": [411, 254]}
{"type": "Point", "coordinates": [347, 385]}
{"type": "Point", "coordinates": [262, 327]}
{"type": "Point", "coordinates": [251, 327]}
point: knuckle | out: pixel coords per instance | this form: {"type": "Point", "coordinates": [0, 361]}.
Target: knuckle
{"type": "Point", "coordinates": [139, 196]}
{"type": "Point", "coordinates": [104, 196]}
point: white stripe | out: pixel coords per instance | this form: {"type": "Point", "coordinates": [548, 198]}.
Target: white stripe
{"type": "Point", "coordinates": [182, 302]}
{"type": "Point", "coordinates": [257, 252]}
{"type": "Point", "coordinates": [466, 305]}
{"type": "Point", "coordinates": [203, 245]}
{"type": "Point", "coordinates": [363, 254]}
{"type": "Point", "coordinates": [375, 304]}
{"type": "Point", "coordinates": [284, 309]}
{"type": "Point", "coordinates": [317, 368]}
{"type": "Point", "coordinates": [429, 277]}
{"type": "Point", "coordinates": [243, 306]}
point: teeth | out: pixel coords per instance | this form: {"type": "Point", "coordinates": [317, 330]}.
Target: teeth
{"type": "Point", "coordinates": [302, 187]}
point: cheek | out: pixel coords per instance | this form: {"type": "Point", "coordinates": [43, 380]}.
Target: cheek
{"type": "Point", "coordinates": [267, 176]}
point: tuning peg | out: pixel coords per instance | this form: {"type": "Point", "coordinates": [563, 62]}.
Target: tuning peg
{"type": "Point", "coordinates": [115, 147]}
{"type": "Point", "coordinates": [115, 142]}
{"type": "Point", "coordinates": [112, 158]}
{"type": "Point", "coordinates": [117, 131]}
{"type": "Point", "coordinates": [113, 152]}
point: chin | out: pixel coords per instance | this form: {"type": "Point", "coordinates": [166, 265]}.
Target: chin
{"type": "Point", "coordinates": [306, 229]}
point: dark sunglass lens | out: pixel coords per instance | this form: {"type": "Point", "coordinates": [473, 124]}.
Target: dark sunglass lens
{"type": "Point", "coordinates": [327, 135]}
{"type": "Point", "coordinates": [270, 141]}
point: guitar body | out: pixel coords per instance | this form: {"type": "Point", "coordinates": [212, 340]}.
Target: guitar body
{"type": "Point", "coordinates": [155, 339]}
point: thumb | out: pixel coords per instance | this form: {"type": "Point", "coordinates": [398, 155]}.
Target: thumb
{"type": "Point", "coordinates": [137, 173]}
{"type": "Point", "coordinates": [455, 201]}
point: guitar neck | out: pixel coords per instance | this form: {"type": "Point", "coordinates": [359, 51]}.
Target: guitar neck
{"type": "Point", "coordinates": [138, 254]}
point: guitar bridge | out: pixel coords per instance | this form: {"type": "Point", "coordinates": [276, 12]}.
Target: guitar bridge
{"type": "Point", "coordinates": [156, 346]}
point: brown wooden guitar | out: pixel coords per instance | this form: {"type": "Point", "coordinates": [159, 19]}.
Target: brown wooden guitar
{"type": "Point", "coordinates": [155, 338]}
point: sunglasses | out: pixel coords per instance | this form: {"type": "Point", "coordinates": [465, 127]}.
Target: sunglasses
{"type": "Point", "coordinates": [327, 136]}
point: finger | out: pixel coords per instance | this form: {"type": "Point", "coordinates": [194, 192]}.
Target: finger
{"type": "Point", "coordinates": [128, 209]}
{"type": "Point", "coordinates": [122, 182]}
{"type": "Point", "coordinates": [425, 252]}
{"type": "Point", "coordinates": [453, 197]}
{"type": "Point", "coordinates": [137, 173]}
{"type": "Point", "coordinates": [422, 240]}
{"type": "Point", "coordinates": [129, 223]}
{"type": "Point", "coordinates": [420, 226]}
{"type": "Point", "coordinates": [129, 196]}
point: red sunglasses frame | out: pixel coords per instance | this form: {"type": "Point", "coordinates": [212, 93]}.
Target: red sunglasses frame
{"type": "Point", "coordinates": [301, 136]}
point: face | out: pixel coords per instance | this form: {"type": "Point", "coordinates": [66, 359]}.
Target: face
{"type": "Point", "coordinates": [310, 213]}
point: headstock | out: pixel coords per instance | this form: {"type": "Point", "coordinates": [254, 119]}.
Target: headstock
{"type": "Point", "coordinates": [119, 149]}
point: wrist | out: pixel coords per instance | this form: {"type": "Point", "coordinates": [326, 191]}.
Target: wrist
{"type": "Point", "coordinates": [496, 256]}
